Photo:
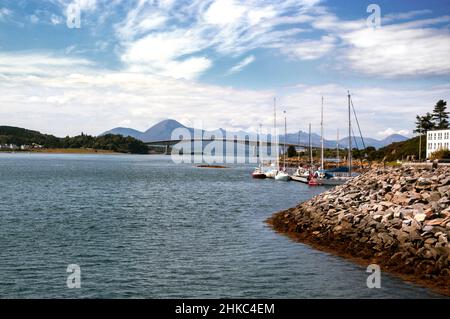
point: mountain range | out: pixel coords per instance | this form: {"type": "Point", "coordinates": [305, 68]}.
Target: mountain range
{"type": "Point", "coordinates": [163, 130]}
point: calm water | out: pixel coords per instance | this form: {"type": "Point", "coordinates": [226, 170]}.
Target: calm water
{"type": "Point", "coordinates": [140, 226]}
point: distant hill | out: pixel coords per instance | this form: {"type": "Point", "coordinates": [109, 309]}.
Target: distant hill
{"type": "Point", "coordinates": [400, 150]}
{"type": "Point", "coordinates": [358, 142]}
{"type": "Point", "coordinates": [125, 132]}
{"type": "Point", "coordinates": [159, 132]}
{"type": "Point", "coordinates": [393, 139]}
{"type": "Point", "coordinates": [294, 138]}
{"type": "Point", "coordinates": [163, 131]}
{"type": "Point", "coordinates": [21, 136]}
{"type": "Point", "coordinates": [117, 143]}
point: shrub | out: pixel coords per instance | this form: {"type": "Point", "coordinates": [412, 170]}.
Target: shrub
{"type": "Point", "coordinates": [440, 154]}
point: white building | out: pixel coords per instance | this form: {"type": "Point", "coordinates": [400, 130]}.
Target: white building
{"type": "Point", "coordinates": [437, 140]}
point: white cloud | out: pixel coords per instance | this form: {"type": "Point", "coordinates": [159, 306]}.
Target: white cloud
{"type": "Point", "coordinates": [155, 39]}
{"type": "Point", "coordinates": [5, 13]}
{"type": "Point", "coordinates": [241, 65]}
{"type": "Point", "coordinates": [224, 12]}
{"type": "Point", "coordinates": [162, 53]}
{"type": "Point", "coordinates": [34, 19]}
{"type": "Point", "coordinates": [164, 45]}
{"type": "Point", "coordinates": [389, 131]}
{"type": "Point", "coordinates": [414, 48]}
{"type": "Point", "coordinates": [55, 19]}
{"type": "Point", "coordinates": [65, 97]}
{"type": "Point", "coordinates": [377, 108]}
{"type": "Point", "coordinates": [140, 20]}
{"type": "Point", "coordinates": [405, 45]}
{"type": "Point", "coordinates": [405, 15]}
{"type": "Point", "coordinates": [84, 5]}
{"type": "Point", "coordinates": [36, 63]}
{"type": "Point", "coordinates": [190, 68]}
{"type": "Point", "coordinates": [311, 50]}
{"type": "Point", "coordinates": [399, 50]}
{"type": "Point", "coordinates": [96, 101]}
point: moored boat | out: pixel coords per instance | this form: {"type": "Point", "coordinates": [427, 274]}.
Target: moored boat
{"type": "Point", "coordinates": [326, 178]}
{"type": "Point", "coordinates": [257, 173]}
{"type": "Point", "coordinates": [301, 179]}
{"type": "Point", "coordinates": [271, 173]}
{"type": "Point", "coordinates": [313, 182]}
{"type": "Point", "coordinates": [282, 176]}
{"type": "Point", "coordinates": [301, 175]}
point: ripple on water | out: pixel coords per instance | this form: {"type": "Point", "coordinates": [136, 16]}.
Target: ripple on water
{"type": "Point", "coordinates": [140, 226]}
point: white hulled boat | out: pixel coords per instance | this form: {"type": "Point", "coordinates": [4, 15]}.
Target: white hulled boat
{"type": "Point", "coordinates": [301, 175]}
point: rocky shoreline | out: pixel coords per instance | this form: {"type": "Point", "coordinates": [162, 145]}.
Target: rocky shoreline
{"type": "Point", "coordinates": [398, 218]}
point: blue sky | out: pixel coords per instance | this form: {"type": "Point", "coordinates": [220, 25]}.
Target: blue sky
{"type": "Point", "coordinates": [133, 63]}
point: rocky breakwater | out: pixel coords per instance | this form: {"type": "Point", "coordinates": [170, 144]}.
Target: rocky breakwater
{"type": "Point", "coordinates": [398, 218]}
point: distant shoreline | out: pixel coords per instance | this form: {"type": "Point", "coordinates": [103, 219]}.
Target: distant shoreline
{"type": "Point", "coordinates": [63, 151]}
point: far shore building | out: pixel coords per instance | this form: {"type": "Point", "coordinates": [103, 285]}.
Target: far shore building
{"type": "Point", "coordinates": [437, 140]}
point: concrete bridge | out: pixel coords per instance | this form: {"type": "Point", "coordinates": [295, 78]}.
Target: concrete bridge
{"type": "Point", "coordinates": [168, 144]}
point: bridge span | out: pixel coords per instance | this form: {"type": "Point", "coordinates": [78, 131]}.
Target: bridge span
{"type": "Point", "coordinates": [168, 144]}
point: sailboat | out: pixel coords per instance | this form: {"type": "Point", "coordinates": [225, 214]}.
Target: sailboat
{"type": "Point", "coordinates": [282, 175]}
{"type": "Point", "coordinates": [330, 177]}
{"type": "Point", "coordinates": [317, 176]}
{"type": "Point", "coordinates": [258, 172]}
{"type": "Point", "coordinates": [273, 170]}
{"type": "Point", "coordinates": [302, 174]}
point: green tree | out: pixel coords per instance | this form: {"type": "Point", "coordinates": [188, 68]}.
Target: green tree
{"type": "Point", "coordinates": [291, 152]}
{"type": "Point", "coordinates": [440, 115]}
{"type": "Point", "coordinates": [424, 123]}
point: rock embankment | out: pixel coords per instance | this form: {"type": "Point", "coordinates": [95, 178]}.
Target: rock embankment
{"type": "Point", "coordinates": [398, 218]}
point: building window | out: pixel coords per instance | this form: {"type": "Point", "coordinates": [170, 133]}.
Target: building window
{"type": "Point", "coordinates": [430, 136]}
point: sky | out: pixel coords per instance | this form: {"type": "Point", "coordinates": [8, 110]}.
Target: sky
{"type": "Point", "coordinates": [72, 66]}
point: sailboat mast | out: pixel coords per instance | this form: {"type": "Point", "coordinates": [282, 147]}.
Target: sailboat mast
{"type": "Point", "coordinates": [337, 147]}
{"type": "Point", "coordinates": [349, 136]}
{"type": "Point", "coordinates": [275, 130]}
{"type": "Point", "coordinates": [258, 144]}
{"type": "Point", "coordinates": [285, 136]}
{"type": "Point", "coordinates": [310, 146]}
{"type": "Point", "coordinates": [321, 137]}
